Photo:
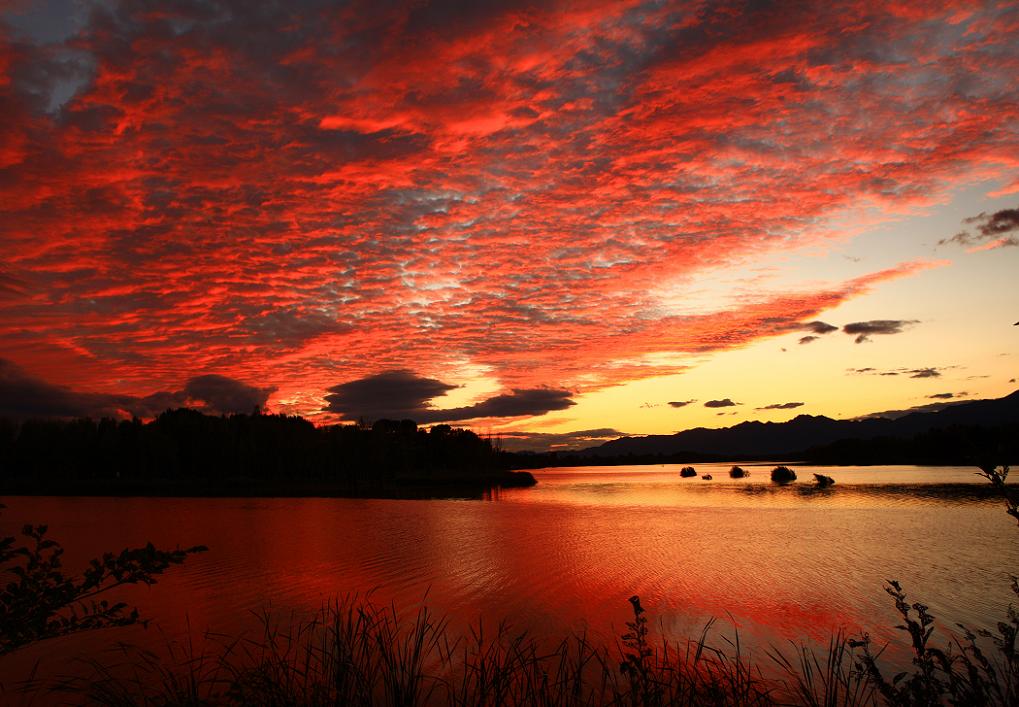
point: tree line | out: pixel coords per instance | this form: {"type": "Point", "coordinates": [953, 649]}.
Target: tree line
{"type": "Point", "coordinates": [185, 444]}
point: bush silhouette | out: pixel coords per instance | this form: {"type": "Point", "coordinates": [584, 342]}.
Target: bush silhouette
{"type": "Point", "coordinates": [783, 475]}
{"type": "Point", "coordinates": [43, 602]}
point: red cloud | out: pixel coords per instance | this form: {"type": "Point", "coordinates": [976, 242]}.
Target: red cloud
{"type": "Point", "coordinates": [310, 197]}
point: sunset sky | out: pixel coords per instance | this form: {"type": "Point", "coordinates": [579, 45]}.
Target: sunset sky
{"type": "Point", "coordinates": [564, 220]}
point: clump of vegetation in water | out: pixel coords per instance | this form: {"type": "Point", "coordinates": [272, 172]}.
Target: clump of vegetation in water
{"type": "Point", "coordinates": [783, 475]}
{"type": "Point", "coordinates": [823, 481]}
{"type": "Point", "coordinates": [738, 472]}
{"type": "Point", "coordinates": [707, 477]}
{"type": "Point", "coordinates": [687, 471]}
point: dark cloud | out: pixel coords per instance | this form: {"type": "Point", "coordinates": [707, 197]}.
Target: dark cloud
{"type": "Point", "coordinates": [818, 327]}
{"type": "Point", "coordinates": [925, 372]}
{"type": "Point", "coordinates": [10, 285]}
{"type": "Point", "coordinates": [534, 401]}
{"type": "Point", "coordinates": [290, 327]}
{"type": "Point", "coordinates": [864, 330]}
{"type": "Point", "coordinates": [723, 403]}
{"type": "Point", "coordinates": [225, 396]}
{"type": "Point", "coordinates": [552, 441]}
{"type": "Point", "coordinates": [405, 395]}
{"type": "Point", "coordinates": [781, 406]}
{"type": "Point", "coordinates": [393, 394]}
{"type": "Point", "coordinates": [155, 403]}
{"type": "Point", "coordinates": [25, 396]}
{"type": "Point", "coordinates": [999, 222]}
{"type": "Point", "coordinates": [985, 230]}
{"type": "Point", "coordinates": [947, 396]}
{"type": "Point", "coordinates": [680, 403]}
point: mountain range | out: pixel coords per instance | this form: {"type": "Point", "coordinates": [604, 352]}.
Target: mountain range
{"type": "Point", "coordinates": [776, 439]}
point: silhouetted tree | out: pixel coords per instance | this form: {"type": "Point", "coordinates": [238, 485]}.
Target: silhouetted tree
{"type": "Point", "coordinates": [186, 444]}
{"type": "Point", "coordinates": [40, 601]}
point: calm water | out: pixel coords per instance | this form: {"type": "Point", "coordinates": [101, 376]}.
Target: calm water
{"type": "Point", "coordinates": [780, 562]}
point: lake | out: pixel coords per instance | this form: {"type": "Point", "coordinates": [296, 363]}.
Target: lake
{"type": "Point", "coordinates": [779, 562]}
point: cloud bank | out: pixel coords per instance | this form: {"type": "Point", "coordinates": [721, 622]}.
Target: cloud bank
{"type": "Point", "coordinates": [304, 193]}
{"type": "Point", "coordinates": [404, 395]}
{"type": "Point", "coordinates": [24, 396]}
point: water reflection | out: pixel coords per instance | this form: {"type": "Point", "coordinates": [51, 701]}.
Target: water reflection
{"type": "Point", "coordinates": [662, 485]}
{"type": "Point", "coordinates": [783, 561]}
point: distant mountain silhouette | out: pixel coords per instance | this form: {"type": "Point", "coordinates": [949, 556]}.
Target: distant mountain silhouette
{"type": "Point", "coordinates": [776, 439]}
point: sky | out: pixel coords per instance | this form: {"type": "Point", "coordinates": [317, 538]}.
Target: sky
{"type": "Point", "coordinates": [556, 222]}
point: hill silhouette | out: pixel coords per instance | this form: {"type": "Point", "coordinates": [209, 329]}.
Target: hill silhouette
{"type": "Point", "coordinates": [807, 436]}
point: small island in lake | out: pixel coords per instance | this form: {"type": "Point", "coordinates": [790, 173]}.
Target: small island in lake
{"type": "Point", "coordinates": [783, 475]}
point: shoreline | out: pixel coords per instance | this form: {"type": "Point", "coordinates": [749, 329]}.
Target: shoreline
{"type": "Point", "coordinates": [241, 487]}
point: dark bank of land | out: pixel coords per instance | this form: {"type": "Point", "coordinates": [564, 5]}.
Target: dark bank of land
{"type": "Point", "coordinates": [186, 453]}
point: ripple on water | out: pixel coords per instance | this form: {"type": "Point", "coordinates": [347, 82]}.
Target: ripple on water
{"type": "Point", "coordinates": [783, 562]}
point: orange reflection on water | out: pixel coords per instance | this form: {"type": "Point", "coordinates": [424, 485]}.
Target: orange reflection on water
{"type": "Point", "coordinates": [782, 562]}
